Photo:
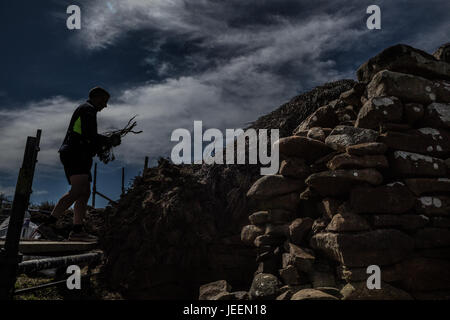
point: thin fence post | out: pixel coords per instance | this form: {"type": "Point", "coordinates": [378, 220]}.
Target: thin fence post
{"type": "Point", "coordinates": [94, 189]}
{"type": "Point", "coordinates": [146, 164]}
{"type": "Point", "coordinates": [9, 256]}
{"type": "Point", "coordinates": [123, 180]}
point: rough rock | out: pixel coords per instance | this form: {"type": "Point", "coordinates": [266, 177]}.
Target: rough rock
{"type": "Point", "coordinates": [268, 240]}
{"type": "Point", "coordinates": [404, 221]}
{"type": "Point", "coordinates": [440, 222]}
{"type": "Point", "coordinates": [259, 218]}
{"type": "Point", "coordinates": [300, 258]}
{"type": "Point", "coordinates": [302, 147]}
{"type": "Point", "coordinates": [345, 136]}
{"type": "Point", "coordinates": [347, 223]}
{"type": "Point", "coordinates": [290, 275]}
{"type": "Point", "coordinates": [433, 205]}
{"type": "Point", "coordinates": [421, 186]}
{"type": "Point", "coordinates": [272, 186]}
{"type": "Point", "coordinates": [426, 141]}
{"type": "Point", "coordinates": [211, 291]}
{"type": "Point", "coordinates": [408, 88]}
{"type": "Point", "coordinates": [437, 115]}
{"type": "Point", "coordinates": [408, 164]}
{"type": "Point", "coordinates": [380, 247]}
{"type": "Point", "coordinates": [280, 216]}
{"type": "Point", "coordinates": [393, 198]}
{"type": "Point", "coordinates": [294, 168]}
{"type": "Point", "coordinates": [287, 202]}
{"type": "Point", "coordinates": [250, 233]}
{"type": "Point", "coordinates": [405, 59]}
{"type": "Point", "coordinates": [312, 294]}
{"type": "Point", "coordinates": [424, 274]}
{"type": "Point", "coordinates": [369, 148]}
{"type": "Point", "coordinates": [328, 207]}
{"type": "Point", "coordinates": [264, 287]}
{"type": "Point", "coordinates": [337, 182]}
{"type": "Point", "coordinates": [413, 112]}
{"type": "Point", "coordinates": [346, 161]}
{"type": "Point", "coordinates": [432, 238]}
{"type": "Point", "coordinates": [379, 110]}
{"type": "Point", "coordinates": [352, 97]}
{"type": "Point", "coordinates": [323, 117]}
{"type": "Point", "coordinates": [316, 133]}
{"type": "Point", "coordinates": [443, 53]}
{"type": "Point", "coordinates": [359, 291]}
{"type": "Point", "coordinates": [277, 230]}
{"type": "Point", "coordinates": [299, 228]}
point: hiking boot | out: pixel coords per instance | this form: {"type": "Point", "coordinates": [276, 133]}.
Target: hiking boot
{"type": "Point", "coordinates": [82, 236]}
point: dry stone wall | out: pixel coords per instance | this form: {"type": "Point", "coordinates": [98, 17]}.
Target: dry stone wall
{"type": "Point", "coordinates": [364, 180]}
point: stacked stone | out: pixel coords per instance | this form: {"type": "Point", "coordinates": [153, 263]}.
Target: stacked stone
{"type": "Point", "coordinates": [363, 181]}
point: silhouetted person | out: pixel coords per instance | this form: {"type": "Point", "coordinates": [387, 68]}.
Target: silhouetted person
{"type": "Point", "coordinates": [81, 144]}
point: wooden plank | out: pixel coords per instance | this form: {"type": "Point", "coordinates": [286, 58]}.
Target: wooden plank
{"type": "Point", "coordinates": [42, 247]}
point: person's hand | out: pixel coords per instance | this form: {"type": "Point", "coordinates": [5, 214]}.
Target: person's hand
{"type": "Point", "coordinates": [115, 140]}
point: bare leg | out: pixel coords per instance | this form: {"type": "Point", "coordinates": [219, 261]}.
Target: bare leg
{"type": "Point", "coordinates": [81, 206]}
{"type": "Point", "coordinates": [80, 186]}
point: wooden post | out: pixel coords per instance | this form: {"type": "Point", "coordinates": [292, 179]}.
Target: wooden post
{"type": "Point", "coordinates": [9, 256]}
{"type": "Point", "coordinates": [94, 189]}
{"type": "Point", "coordinates": [146, 164]}
{"type": "Point", "coordinates": [123, 180]}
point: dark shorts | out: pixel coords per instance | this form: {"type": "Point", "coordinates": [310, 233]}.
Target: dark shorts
{"type": "Point", "coordinates": [75, 164]}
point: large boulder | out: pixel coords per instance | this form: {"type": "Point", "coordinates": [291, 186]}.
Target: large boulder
{"type": "Point", "coordinates": [428, 141]}
{"type": "Point", "coordinates": [337, 182]}
{"type": "Point", "coordinates": [344, 136]}
{"type": "Point", "coordinates": [312, 294]}
{"type": "Point", "coordinates": [264, 287]}
{"type": "Point", "coordinates": [420, 186]}
{"type": "Point", "coordinates": [394, 198]}
{"type": "Point", "coordinates": [408, 88]}
{"type": "Point", "coordinates": [405, 59]}
{"type": "Point", "coordinates": [379, 110]}
{"type": "Point", "coordinates": [368, 148]}
{"type": "Point", "coordinates": [214, 290]}
{"type": "Point", "coordinates": [379, 247]}
{"type": "Point", "coordinates": [359, 291]}
{"type": "Point", "coordinates": [408, 164]}
{"type": "Point", "coordinates": [324, 117]}
{"type": "Point", "coordinates": [346, 161]}
{"type": "Point", "coordinates": [272, 186]}
{"type": "Point", "coordinates": [437, 115]}
{"type": "Point", "coordinates": [302, 147]}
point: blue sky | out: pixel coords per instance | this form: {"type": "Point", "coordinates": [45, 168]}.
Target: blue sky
{"type": "Point", "coordinates": [173, 62]}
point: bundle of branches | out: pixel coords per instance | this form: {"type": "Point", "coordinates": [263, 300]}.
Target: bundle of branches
{"type": "Point", "coordinates": [106, 153]}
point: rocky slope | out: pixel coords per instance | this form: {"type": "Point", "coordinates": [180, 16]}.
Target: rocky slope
{"type": "Point", "coordinates": [364, 181]}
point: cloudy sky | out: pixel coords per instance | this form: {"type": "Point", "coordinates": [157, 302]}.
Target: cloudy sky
{"type": "Point", "coordinates": [225, 62]}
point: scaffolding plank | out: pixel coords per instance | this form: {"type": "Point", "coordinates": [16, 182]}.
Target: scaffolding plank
{"type": "Point", "coordinates": [42, 247]}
